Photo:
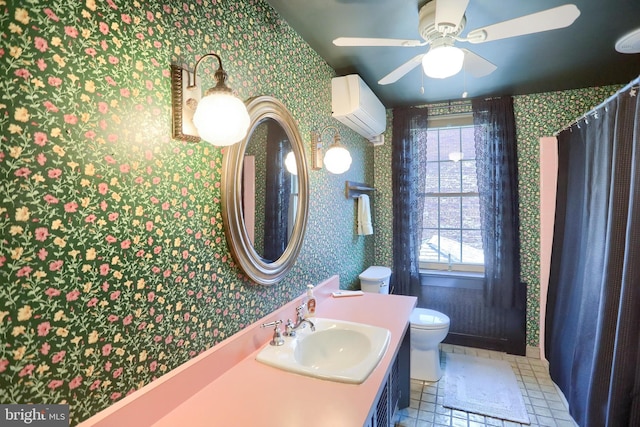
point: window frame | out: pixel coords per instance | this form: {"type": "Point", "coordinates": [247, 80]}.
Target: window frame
{"type": "Point", "coordinates": [445, 122]}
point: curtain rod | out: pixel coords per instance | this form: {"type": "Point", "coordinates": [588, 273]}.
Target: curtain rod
{"type": "Point", "coordinates": [635, 83]}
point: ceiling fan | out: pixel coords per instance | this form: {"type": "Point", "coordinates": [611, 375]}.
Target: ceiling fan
{"type": "Point", "coordinates": [441, 23]}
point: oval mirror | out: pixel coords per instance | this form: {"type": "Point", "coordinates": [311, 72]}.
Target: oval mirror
{"type": "Point", "coordinates": [265, 193]}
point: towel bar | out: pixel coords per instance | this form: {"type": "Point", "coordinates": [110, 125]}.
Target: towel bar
{"type": "Point", "coordinates": [353, 189]}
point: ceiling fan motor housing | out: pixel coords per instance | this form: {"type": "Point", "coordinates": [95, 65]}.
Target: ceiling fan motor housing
{"type": "Point", "coordinates": [427, 24]}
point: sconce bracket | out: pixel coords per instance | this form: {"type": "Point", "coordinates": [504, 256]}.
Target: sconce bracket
{"type": "Point", "coordinates": [316, 151]}
{"type": "Point", "coordinates": [184, 100]}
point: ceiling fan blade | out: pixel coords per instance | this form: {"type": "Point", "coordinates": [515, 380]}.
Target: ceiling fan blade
{"type": "Point", "coordinates": [364, 41]}
{"type": "Point", "coordinates": [550, 19]}
{"type": "Point", "coordinates": [449, 13]}
{"type": "Point", "coordinates": [476, 65]}
{"type": "Point", "coordinates": [399, 72]}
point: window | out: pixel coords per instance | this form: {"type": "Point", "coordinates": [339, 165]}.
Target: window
{"type": "Point", "coordinates": [451, 237]}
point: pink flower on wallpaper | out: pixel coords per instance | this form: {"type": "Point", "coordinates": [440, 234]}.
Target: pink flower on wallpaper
{"type": "Point", "coordinates": [22, 72]}
{"type": "Point", "coordinates": [104, 28]}
{"type": "Point", "coordinates": [110, 81]}
{"type": "Point", "coordinates": [73, 295]}
{"type": "Point", "coordinates": [24, 271]}
{"type": "Point", "coordinates": [114, 295]}
{"type": "Point", "coordinates": [115, 395]}
{"type": "Point", "coordinates": [166, 206]}
{"type": "Point", "coordinates": [112, 137]}
{"type": "Point", "coordinates": [94, 385]}
{"type": "Point", "coordinates": [154, 200]}
{"type": "Point", "coordinates": [70, 207]}
{"type": "Point", "coordinates": [110, 160]}
{"type": "Point", "coordinates": [54, 173]}
{"type": "Point", "coordinates": [58, 357]}
{"type": "Point", "coordinates": [127, 319]}
{"type": "Point", "coordinates": [44, 328]}
{"type": "Point", "coordinates": [56, 265]}
{"type": "Point", "coordinates": [41, 234]}
{"type": "Point", "coordinates": [23, 173]}
{"type": "Point", "coordinates": [169, 339]}
{"type": "Point", "coordinates": [40, 44]}
{"type": "Point", "coordinates": [113, 60]}
{"type": "Point", "coordinates": [153, 365]}
{"type": "Point", "coordinates": [155, 180]}
{"type": "Point", "coordinates": [110, 239]}
{"type": "Point", "coordinates": [90, 51]}
{"type": "Point", "coordinates": [93, 302]}
{"type": "Point", "coordinates": [103, 205]}
{"type": "Point", "coordinates": [157, 44]}
{"type": "Point", "coordinates": [113, 216]}
{"type": "Point", "coordinates": [51, 200]}
{"type": "Point", "coordinates": [48, 105]}
{"type": "Point", "coordinates": [106, 349]}
{"type": "Point", "coordinates": [3, 365]}
{"type": "Point", "coordinates": [75, 383]}
{"type": "Point", "coordinates": [112, 318]}
{"type": "Point", "coordinates": [50, 14]}
{"type": "Point", "coordinates": [103, 188]}
{"type": "Point", "coordinates": [142, 325]}
{"type": "Point", "coordinates": [71, 119]}
{"type": "Point", "coordinates": [148, 225]}
{"type": "Point", "coordinates": [117, 372]}
{"type": "Point", "coordinates": [103, 107]}
{"type": "Point", "coordinates": [151, 296]}
{"type": "Point", "coordinates": [125, 244]}
{"type": "Point", "coordinates": [71, 31]}
{"type": "Point", "coordinates": [52, 292]}
{"type": "Point", "coordinates": [167, 273]}
{"type": "Point", "coordinates": [42, 254]}
{"type": "Point", "coordinates": [54, 81]}
{"type": "Point", "coordinates": [41, 159]}
{"type": "Point", "coordinates": [41, 64]}
{"type": "Point", "coordinates": [54, 384]}
{"type": "Point", "coordinates": [89, 134]}
{"type": "Point", "coordinates": [90, 218]}
{"type": "Point", "coordinates": [104, 269]}
{"type": "Point", "coordinates": [45, 349]}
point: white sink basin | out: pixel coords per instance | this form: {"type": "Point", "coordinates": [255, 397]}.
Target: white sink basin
{"type": "Point", "coordinates": [338, 351]}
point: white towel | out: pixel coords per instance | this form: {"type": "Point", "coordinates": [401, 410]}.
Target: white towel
{"type": "Point", "coordinates": [364, 216]}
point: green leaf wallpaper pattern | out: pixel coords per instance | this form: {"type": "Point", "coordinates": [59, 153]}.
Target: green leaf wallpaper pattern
{"type": "Point", "coordinates": [114, 268]}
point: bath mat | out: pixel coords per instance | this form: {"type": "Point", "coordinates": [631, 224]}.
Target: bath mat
{"type": "Point", "coordinates": [483, 386]}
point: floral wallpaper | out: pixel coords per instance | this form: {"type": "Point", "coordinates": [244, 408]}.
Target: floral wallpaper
{"type": "Point", "coordinates": [537, 115]}
{"type": "Point", "coordinates": [114, 267]}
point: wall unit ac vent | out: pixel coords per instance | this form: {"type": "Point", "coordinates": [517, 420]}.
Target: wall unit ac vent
{"type": "Point", "coordinates": [356, 106]}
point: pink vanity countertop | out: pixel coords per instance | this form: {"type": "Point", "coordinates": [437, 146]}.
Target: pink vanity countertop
{"type": "Point", "coordinates": [226, 386]}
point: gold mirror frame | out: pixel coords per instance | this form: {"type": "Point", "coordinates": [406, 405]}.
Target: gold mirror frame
{"type": "Point", "coordinates": [254, 266]}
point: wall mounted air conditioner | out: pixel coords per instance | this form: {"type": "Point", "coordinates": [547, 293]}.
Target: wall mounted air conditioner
{"type": "Point", "coordinates": [355, 105]}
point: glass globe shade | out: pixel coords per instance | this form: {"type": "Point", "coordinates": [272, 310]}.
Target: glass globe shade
{"type": "Point", "coordinates": [442, 62]}
{"type": "Point", "coordinates": [290, 163]}
{"type": "Point", "coordinates": [337, 159]}
{"type": "Point", "coordinates": [221, 119]}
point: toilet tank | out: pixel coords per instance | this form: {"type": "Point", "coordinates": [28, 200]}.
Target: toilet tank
{"type": "Point", "coordinates": [375, 279]}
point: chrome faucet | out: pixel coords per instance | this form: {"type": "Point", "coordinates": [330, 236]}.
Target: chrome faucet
{"type": "Point", "coordinates": [301, 322]}
{"type": "Point", "coordinates": [277, 339]}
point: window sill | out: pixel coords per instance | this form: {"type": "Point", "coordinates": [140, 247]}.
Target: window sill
{"type": "Point", "coordinates": [452, 279]}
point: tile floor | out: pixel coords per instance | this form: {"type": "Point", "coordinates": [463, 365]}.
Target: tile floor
{"type": "Point", "coordinates": [545, 406]}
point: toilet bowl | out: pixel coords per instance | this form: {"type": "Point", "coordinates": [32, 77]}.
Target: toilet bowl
{"type": "Point", "coordinates": [428, 329]}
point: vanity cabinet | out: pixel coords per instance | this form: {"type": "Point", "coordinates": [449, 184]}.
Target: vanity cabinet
{"type": "Point", "coordinates": [395, 392]}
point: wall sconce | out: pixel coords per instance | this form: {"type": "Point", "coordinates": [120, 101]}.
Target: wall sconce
{"type": "Point", "coordinates": [290, 163]}
{"type": "Point", "coordinates": [219, 117]}
{"type": "Point", "coordinates": [337, 159]}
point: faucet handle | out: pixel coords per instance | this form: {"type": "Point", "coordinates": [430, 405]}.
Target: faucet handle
{"type": "Point", "coordinates": [277, 333]}
{"type": "Point", "coordinates": [300, 311]}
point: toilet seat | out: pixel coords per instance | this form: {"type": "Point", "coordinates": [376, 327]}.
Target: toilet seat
{"type": "Point", "coordinates": [424, 318]}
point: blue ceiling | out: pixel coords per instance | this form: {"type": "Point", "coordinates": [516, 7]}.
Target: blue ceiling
{"type": "Point", "coordinates": [581, 55]}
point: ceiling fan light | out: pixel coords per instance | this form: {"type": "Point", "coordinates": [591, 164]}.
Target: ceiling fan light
{"type": "Point", "coordinates": [442, 62]}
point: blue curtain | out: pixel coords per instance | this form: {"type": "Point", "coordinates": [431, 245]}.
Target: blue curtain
{"type": "Point", "coordinates": [408, 166]}
{"type": "Point", "coordinates": [593, 306]}
{"type": "Point", "coordinates": [497, 170]}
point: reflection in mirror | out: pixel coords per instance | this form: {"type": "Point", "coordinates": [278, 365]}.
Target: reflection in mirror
{"type": "Point", "coordinates": [269, 190]}
{"type": "Point", "coordinates": [265, 193]}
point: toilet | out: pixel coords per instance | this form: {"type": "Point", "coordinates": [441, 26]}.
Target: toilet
{"type": "Point", "coordinates": [375, 279]}
{"type": "Point", "coordinates": [428, 329]}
